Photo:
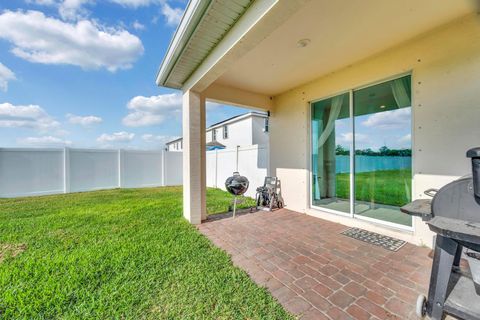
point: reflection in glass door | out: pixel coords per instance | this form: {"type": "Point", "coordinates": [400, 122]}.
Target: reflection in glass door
{"type": "Point", "coordinates": [380, 134]}
{"type": "Point", "coordinates": [331, 140]}
{"type": "Point", "coordinates": [382, 115]}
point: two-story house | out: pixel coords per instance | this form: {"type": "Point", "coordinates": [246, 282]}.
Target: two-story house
{"type": "Point", "coordinates": [242, 130]}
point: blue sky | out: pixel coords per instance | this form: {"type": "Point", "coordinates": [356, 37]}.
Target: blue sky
{"type": "Point", "coordinates": [82, 73]}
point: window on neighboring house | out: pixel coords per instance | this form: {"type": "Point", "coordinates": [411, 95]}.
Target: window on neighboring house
{"type": "Point", "coordinates": [214, 135]}
{"type": "Point", "coordinates": [265, 125]}
{"type": "Point", "coordinates": [225, 132]}
{"type": "Point", "coordinates": [181, 144]}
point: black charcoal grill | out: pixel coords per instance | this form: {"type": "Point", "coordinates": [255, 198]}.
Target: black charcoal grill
{"type": "Point", "coordinates": [454, 215]}
{"type": "Point", "coordinates": [236, 185]}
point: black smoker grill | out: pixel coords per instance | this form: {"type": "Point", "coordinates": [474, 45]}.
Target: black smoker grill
{"type": "Point", "coordinates": [454, 215]}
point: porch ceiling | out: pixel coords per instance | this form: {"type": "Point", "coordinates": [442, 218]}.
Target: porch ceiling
{"type": "Point", "coordinates": [341, 33]}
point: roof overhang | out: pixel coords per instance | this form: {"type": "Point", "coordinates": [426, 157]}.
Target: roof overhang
{"type": "Point", "coordinates": [203, 25]}
{"type": "Point", "coordinates": [256, 56]}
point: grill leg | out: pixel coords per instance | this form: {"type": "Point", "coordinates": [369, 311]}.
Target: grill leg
{"type": "Point", "coordinates": [234, 206]}
{"type": "Point", "coordinates": [458, 256]}
{"type": "Point", "coordinates": [445, 251]}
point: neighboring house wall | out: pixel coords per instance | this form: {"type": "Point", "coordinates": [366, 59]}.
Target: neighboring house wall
{"type": "Point", "coordinates": [245, 131]}
{"type": "Point", "coordinates": [239, 133]}
{"type": "Point", "coordinates": [176, 145]}
{"type": "Point", "coordinates": [445, 68]}
{"type": "Point", "coordinates": [260, 136]}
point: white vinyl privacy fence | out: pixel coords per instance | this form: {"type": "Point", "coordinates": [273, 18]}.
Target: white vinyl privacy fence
{"type": "Point", "coordinates": [30, 172]}
{"type": "Point", "coordinates": [251, 162]}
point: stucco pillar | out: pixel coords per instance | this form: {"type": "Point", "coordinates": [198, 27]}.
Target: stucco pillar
{"type": "Point", "coordinates": [194, 157]}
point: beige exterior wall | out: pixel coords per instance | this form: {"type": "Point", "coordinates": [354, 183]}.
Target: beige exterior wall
{"type": "Point", "coordinates": [445, 68]}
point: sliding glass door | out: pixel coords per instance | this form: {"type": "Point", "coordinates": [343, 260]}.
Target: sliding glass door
{"type": "Point", "coordinates": [374, 181]}
{"type": "Point", "coordinates": [331, 127]}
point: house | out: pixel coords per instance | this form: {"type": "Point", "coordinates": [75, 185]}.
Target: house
{"type": "Point", "coordinates": [243, 130]}
{"type": "Point", "coordinates": [387, 86]}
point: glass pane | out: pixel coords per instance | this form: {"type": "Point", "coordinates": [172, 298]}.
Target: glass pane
{"type": "Point", "coordinates": [331, 140]}
{"type": "Point", "coordinates": [383, 162]}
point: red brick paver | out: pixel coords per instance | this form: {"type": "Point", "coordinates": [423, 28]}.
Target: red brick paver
{"type": "Point", "coordinates": [317, 273]}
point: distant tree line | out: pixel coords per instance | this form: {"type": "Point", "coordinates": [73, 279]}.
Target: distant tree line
{"type": "Point", "coordinates": [383, 151]}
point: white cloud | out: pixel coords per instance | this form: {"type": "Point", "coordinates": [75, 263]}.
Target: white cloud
{"type": "Point", "coordinates": [138, 26]}
{"type": "Point", "coordinates": [147, 111]}
{"type": "Point", "coordinates": [40, 39]}
{"type": "Point", "coordinates": [5, 76]}
{"type": "Point", "coordinates": [73, 9]}
{"type": "Point", "coordinates": [42, 2]}
{"type": "Point", "coordinates": [172, 15]}
{"type": "Point", "coordinates": [347, 138]}
{"type": "Point", "coordinates": [148, 137]}
{"type": "Point", "coordinates": [394, 119]}
{"type": "Point", "coordinates": [83, 120]}
{"type": "Point", "coordinates": [30, 116]}
{"type": "Point", "coordinates": [121, 136]}
{"type": "Point", "coordinates": [67, 9]}
{"type": "Point", "coordinates": [405, 139]}
{"type": "Point", "coordinates": [136, 3]}
{"type": "Point", "coordinates": [212, 106]}
{"type": "Point", "coordinates": [45, 141]}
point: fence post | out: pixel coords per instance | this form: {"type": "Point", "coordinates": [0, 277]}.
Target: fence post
{"type": "Point", "coordinates": [236, 161]}
{"type": "Point", "coordinates": [164, 156]}
{"type": "Point", "coordinates": [66, 170]}
{"type": "Point", "coordinates": [216, 168]}
{"type": "Point", "coordinates": [120, 167]}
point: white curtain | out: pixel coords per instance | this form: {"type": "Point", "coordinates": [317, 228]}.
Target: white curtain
{"type": "Point", "coordinates": [327, 131]}
{"type": "Point", "coordinates": [400, 93]}
{"type": "Point", "coordinates": [334, 113]}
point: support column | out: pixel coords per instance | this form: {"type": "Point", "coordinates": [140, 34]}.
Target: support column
{"type": "Point", "coordinates": [194, 157]}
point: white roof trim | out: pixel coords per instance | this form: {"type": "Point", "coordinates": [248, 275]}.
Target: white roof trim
{"type": "Point", "coordinates": [236, 119]}
{"type": "Point", "coordinates": [193, 14]}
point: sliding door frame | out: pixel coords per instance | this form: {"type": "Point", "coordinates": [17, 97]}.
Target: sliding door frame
{"type": "Point", "coordinates": [352, 154]}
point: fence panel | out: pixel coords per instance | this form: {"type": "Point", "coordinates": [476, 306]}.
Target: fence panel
{"type": "Point", "coordinates": [93, 169]}
{"type": "Point", "coordinates": [226, 165]}
{"type": "Point", "coordinates": [212, 158]}
{"type": "Point", "coordinates": [141, 168]}
{"type": "Point", "coordinates": [173, 169]}
{"type": "Point", "coordinates": [27, 172]}
{"type": "Point", "coordinates": [253, 164]}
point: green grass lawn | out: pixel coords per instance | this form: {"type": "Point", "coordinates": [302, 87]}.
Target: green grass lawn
{"type": "Point", "coordinates": [119, 254]}
{"type": "Point", "coordinates": [218, 201]}
{"type": "Point", "coordinates": [391, 187]}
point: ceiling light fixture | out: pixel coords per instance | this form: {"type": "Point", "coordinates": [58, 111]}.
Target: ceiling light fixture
{"type": "Point", "coordinates": [303, 43]}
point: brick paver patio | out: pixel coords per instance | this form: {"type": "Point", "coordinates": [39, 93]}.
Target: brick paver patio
{"type": "Point", "coordinates": [316, 272]}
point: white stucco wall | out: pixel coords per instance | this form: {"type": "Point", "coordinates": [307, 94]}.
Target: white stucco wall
{"type": "Point", "coordinates": [260, 137]}
{"type": "Point", "coordinates": [445, 68]}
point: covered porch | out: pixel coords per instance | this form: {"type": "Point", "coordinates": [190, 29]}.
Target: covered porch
{"type": "Point", "coordinates": [417, 62]}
